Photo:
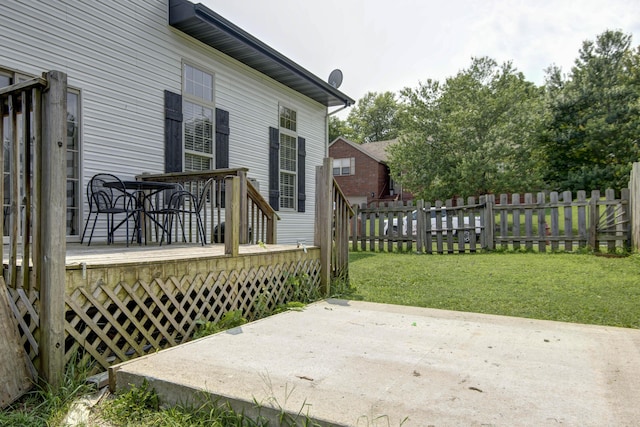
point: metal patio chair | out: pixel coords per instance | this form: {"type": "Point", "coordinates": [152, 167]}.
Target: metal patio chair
{"type": "Point", "coordinates": [158, 207]}
{"type": "Point", "coordinates": [183, 203]}
{"type": "Point", "coordinates": [107, 195]}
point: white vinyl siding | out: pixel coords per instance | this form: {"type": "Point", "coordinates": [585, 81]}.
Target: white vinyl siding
{"type": "Point", "coordinates": [122, 55]}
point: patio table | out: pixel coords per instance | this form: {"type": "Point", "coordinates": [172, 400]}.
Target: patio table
{"type": "Point", "coordinates": [141, 192]}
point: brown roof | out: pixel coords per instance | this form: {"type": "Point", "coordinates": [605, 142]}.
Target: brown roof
{"type": "Point", "coordinates": [376, 150]}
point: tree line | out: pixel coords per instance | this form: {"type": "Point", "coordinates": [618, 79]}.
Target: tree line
{"type": "Point", "coordinates": [489, 130]}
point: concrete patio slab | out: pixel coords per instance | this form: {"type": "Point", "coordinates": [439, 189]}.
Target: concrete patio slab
{"type": "Point", "coordinates": [352, 363]}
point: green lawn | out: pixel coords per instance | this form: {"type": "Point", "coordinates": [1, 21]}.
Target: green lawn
{"type": "Point", "coordinates": [579, 288]}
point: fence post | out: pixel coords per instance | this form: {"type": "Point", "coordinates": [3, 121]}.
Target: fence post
{"type": "Point", "coordinates": [626, 205]}
{"type": "Point", "coordinates": [355, 229]}
{"type": "Point", "coordinates": [232, 216]}
{"type": "Point", "coordinates": [490, 226]}
{"type": "Point", "coordinates": [610, 226]}
{"type": "Point", "coordinates": [52, 250]}
{"type": "Point", "coordinates": [322, 231]}
{"type": "Point", "coordinates": [594, 218]}
{"type": "Point", "coordinates": [420, 220]}
{"type": "Point", "coordinates": [555, 218]}
{"type": "Point", "coordinates": [634, 205]}
{"type": "Point", "coordinates": [488, 237]}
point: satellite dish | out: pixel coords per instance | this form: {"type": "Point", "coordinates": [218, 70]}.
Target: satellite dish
{"type": "Point", "coordinates": [335, 78]}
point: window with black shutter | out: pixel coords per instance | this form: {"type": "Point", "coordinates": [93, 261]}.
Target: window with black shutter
{"type": "Point", "coordinates": [287, 153]}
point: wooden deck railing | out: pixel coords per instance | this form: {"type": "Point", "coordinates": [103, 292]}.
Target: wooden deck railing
{"type": "Point", "coordinates": [36, 132]}
{"type": "Point", "coordinates": [256, 219]}
{"type": "Point", "coordinates": [333, 215]}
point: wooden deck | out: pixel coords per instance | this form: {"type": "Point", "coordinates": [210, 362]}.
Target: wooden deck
{"type": "Point", "coordinates": [120, 254]}
{"type": "Point", "coordinates": [123, 302]}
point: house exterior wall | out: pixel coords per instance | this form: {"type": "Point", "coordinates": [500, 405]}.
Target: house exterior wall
{"type": "Point", "coordinates": [370, 176]}
{"type": "Point", "coordinates": [121, 56]}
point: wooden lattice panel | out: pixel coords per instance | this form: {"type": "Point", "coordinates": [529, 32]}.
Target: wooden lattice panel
{"type": "Point", "coordinates": [25, 308]}
{"type": "Point", "coordinates": [110, 323]}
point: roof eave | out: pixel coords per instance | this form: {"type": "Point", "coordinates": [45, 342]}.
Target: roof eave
{"type": "Point", "coordinates": [359, 147]}
{"type": "Point", "coordinates": [201, 23]}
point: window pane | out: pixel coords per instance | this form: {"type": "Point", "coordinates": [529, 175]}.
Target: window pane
{"type": "Point", "coordinates": [288, 118]}
{"type": "Point", "coordinates": [288, 155]}
{"type": "Point", "coordinates": [336, 171]}
{"type": "Point", "coordinates": [198, 128]}
{"type": "Point", "coordinates": [198, 83]}
{"type": "Point", "coordinates": [193, 162]}
{"type": "Point", "coordinates": [287, 190]}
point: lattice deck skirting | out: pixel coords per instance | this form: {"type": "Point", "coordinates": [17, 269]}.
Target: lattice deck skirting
{"type": "Point", "coordinates": [115, 312]}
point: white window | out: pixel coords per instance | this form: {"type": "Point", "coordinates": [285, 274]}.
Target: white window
{"type": "Point", "coordinates": [344, 166]}
{"type": "Point", "coordinates": [288, 157]}
{"type": "Point", "coordinates": [198, 115]}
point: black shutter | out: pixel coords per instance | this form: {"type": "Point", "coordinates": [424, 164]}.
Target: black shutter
{"type": "Point", "coordinates": [172, 132]}
{"type": "Point", "coordinates": [302, 196]}
{"type": "Point", "coordinates": [274, 168]}
{"type": "Point", "coordinates": [222, 139]}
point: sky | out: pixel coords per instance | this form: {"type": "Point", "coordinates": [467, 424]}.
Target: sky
{"type": "Point", "coordinates": [386, 46]}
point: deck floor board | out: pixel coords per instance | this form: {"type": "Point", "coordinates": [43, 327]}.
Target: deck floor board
{"type": "Point", "coordinates": [97, 255]}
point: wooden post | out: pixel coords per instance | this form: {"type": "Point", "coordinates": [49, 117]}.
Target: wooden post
{"type": "Point", "coordinates": [232, 215]}
{"type": "Point", "coordinates": [582, 218]}
{"type": "Point", "coordinates": [471, 201]}
{"type": "Point", "coordinates": [272, 229]}
{"type": "Point", "coordinates": [542, 223]}
{"type": "Point", "coordinates": [625, 217]}
{"type": "Point", "coordinates": [634, 205]}
{"type": "Point", "coordinates": [515, 201]}
{"type": "Point", "coordinates": [26, 185]}
{"type": "Point", "coordinates": [528, 220]}
{"type": "Point", "coordinates": [594, 218]}
{"type": "Point", "coordinates": [243, 206]}
{"type": "Point", "coordinates": [53, 246]}
{"type": "Point", "coordinates": [324, 209]}
{"type": "Point", "coordinates": [2, 185]}
{"type": "Point", "coordinates": [504, 220]}
{"type": "Point", "coordinates": [420, 220]}
{"type": "Point", "coordinates": [555, 218]}
{"type": "Point", "coordinates": [567, 199]}
{"type": "Point", "coordinates": [491, 221]}
{"type": "Point", "coordinates": [14, 192]}
{"type": "Point", "coordinates": [428, 237]}
{"type": "Point", "coordinates": [38, 200]}
{"type": "Point", "coordinates": [355, 229]}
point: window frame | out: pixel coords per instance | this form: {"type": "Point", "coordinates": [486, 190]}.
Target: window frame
{"type": "Point", "coordinates": [193, 99]}
{"type": "Point", "coordinates": [288, 126]}
{"type": "Point", "coordinates": [341, 166]}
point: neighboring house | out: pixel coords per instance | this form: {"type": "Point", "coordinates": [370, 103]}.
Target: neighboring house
{"type": "Point", "coordinates": [167, 85]}
{"type": "Point", "coordinates": [361, 171]}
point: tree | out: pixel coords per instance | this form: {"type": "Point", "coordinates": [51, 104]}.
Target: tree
{"type": "Point", "coordinates": [594, 123]}
{"type": "Point", "coordinates": [338, 128]}
{"type": "Point", "coordinates": [473, 134]}
{"type": "Point", "coordinates": [374, 118]}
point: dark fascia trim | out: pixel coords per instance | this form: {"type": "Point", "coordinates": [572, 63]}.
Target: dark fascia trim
{"type": "Point", "coordinates": [183, 10]}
